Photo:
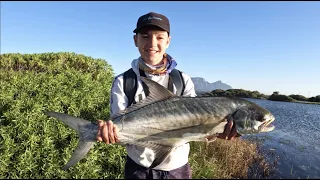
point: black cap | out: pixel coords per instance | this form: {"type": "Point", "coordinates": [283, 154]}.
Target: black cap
{"type": "Point", "coordinates": [153, 19]}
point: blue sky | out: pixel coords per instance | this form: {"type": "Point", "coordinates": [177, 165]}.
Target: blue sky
{"type": "Point", "coordinates": [263, 46]}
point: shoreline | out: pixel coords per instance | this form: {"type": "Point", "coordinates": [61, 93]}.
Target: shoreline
{"type": "Point", "coordinates": [303, 102]}
{"type": "Point", "coordinates": [295, 101]}
{"type": "Point", "coordinates": [307, 102]}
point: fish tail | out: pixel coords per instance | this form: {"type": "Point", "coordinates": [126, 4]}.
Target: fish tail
{"type": "Point", "coordinates": [87, 136]}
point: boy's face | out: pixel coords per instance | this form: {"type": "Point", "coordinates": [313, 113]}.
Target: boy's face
{"type": "Point", "coordinates": [152, 44]}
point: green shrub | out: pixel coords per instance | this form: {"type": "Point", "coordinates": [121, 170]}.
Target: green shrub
{"type": "Point", "coordinates": [32, 145]}
{"type": "Point", "coordinates": [314, 99]}
{"type": "Point", "coordinates": [280, 97]}
{"type": "Point", "coordinates": [298, 97]}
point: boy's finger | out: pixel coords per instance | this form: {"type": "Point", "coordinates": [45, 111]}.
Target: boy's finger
{"type": "Point", "coordinates": [110, 131]}
{"type": "Point", "coordinates": [105, 134]}
{"type": "Point", "coordinates": [233, 132]}
{"type": "Point", "coordinates": [227, 130]}
{"type": "Point", "coordinates": [115, 130]}
{"type": "Point", "coordinates": [100, 124]}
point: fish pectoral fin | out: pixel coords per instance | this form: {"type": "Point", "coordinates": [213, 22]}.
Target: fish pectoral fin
{"type": "Point", "coordinates": [211, 138]}
{"type": "Point", "coordinates": [160, 155]}
{"type": "Point", "coordinates": [199, 137]}
{"type": "Point", "coordinates": [194, 137]}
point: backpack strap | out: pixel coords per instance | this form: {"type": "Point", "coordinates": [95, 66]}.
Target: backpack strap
{"type": "Point", "coordinates": [130, 85]}
{"type": "Point", "coordinates": [175, 77]}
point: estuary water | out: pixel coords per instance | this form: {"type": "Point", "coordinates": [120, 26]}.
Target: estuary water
{"type": "Point", "coordinates": [295, 142]}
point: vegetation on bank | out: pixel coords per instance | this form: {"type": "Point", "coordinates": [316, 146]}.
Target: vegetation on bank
{"type": "Point", "coordinates": [276, 96]}
{"type": "Point", "coordinates": [225, 159]}
{"type": "Point", "coordinates": [33, 145]}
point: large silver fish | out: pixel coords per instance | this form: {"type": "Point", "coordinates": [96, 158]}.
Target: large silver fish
{"type": "Point", "coordinates": [164, 121]}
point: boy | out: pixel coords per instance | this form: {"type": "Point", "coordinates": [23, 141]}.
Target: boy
{"type": "Point", "coordinates": [152, 38]}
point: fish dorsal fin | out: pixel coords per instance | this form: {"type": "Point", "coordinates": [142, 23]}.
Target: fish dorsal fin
{"type": "Point", "coordinates": [156, 93]}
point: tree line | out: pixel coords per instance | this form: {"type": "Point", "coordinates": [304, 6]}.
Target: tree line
{"type": "Point", "coordinates": [275, 96]}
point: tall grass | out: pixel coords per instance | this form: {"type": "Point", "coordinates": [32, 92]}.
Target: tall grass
{"type": "Point", "coordinates": [227, 159]}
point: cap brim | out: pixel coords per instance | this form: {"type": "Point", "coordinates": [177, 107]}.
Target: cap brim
{"type": "Point", "coordinates": [145, 25]}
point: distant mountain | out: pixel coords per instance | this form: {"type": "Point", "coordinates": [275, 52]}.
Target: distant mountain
{"type": "Point", "coordinates": [201, 85]}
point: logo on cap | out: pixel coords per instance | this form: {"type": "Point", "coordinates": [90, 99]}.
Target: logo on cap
{"type": "Point", "coordinates": [152, 17]}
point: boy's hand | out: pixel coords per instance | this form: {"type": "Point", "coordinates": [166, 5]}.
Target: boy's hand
{"type": "Point", "coordinates": [230, 131]}
{"type": "Point", "coordinates": [107, 132]}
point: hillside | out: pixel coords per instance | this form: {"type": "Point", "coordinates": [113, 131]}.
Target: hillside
{"type": "Point", "coordinates": [201, 85]}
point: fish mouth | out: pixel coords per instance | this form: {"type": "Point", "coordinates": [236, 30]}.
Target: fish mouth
{"type": "Point", "coordinates": [266, 125]}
